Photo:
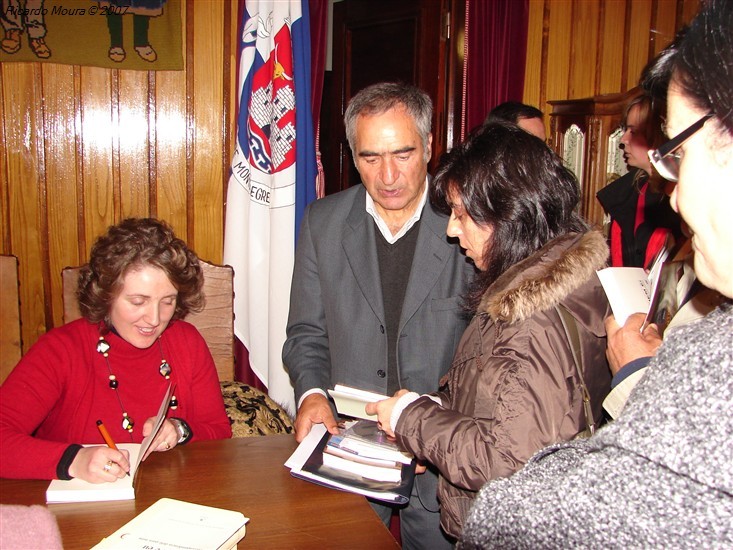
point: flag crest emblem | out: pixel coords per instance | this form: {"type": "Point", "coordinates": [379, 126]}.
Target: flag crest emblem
{"type": "Point", "coordinates": [271, 113]}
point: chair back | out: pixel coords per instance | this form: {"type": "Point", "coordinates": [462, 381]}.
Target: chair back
{"type": "Point", "coordinates": [215, 322]}
{"type": "Point", "coordinates": [10, 340]}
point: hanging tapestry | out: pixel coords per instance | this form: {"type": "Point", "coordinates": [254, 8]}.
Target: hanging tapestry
{"type": "Point", "coordinates": [118, 34]}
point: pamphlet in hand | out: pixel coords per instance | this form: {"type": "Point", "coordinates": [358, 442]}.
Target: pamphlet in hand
{"type": "Point", "coordinates": [352, 401]}
{"type": "Point", "coordinates": [375, 474]}
{"type": "Point", "coordinates": [78, 490]}
{"type": "Point", "coordinates": [631, 289]}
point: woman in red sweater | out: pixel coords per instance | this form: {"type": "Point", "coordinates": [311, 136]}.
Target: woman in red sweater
{"type": "Point", "coordinates": [115, 364]}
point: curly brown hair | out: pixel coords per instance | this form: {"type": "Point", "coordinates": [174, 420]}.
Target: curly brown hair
{"type": "Point", "coordinates": [131, 244]}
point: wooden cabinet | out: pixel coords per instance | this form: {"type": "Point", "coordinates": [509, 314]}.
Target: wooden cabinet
{"type": "Point", "coordinates": [586, 134]}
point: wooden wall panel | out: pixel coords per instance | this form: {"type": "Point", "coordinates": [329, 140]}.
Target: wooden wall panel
{"type": "Point", "coordinates": [639, 44]}
{"type": "Point", "coordinates": [664, 26]}
{"type": "Point", "coordinates": [611, 73]}
{"type": "Point", "coordinates": [207, 231]}
{"type": "Point", "coordinates": [170, 151]}
{"type": "Point", "coordinates": [584, 48]}
{"type": "Point", "coordinates": [558, 50]}
{"type": "Point", "coordinates": [131, 123]}
{"type": "Point", "coordinates": [60, 174]}
{"type": "Point", "coordinates": [96, 144]}
{"type": "Point", "coordinates": [536, 35]}
{"type": "Point", "coordinates": [83, 147]}
{"type": "Point", "coordinates": [24, 149]}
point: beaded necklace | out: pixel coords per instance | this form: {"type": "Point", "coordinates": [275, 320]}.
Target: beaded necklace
{"type": "Point", "coordinates": [103, 347]}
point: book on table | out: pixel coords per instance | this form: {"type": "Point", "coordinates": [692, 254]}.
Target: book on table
{"type": "Point", "coordinates": [175, 524]}
{"type": "Point", "coordinates": [376, 469]}
{"type": "Point", "coordinates": [79, 490]}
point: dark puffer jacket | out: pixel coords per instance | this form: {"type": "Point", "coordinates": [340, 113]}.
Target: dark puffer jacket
{"type": "Point", "coordinates": [512, 388]}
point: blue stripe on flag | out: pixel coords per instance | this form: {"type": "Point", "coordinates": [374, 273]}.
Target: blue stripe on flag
{"type": "Point", "coordinates": [305, 166]}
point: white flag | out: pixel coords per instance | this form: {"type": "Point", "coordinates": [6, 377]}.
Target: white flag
{"type": "Point", "coordinates": [273, 174]}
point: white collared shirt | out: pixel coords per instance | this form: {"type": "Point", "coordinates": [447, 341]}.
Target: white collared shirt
{"type": "Point", "coordinates": [382, 225]}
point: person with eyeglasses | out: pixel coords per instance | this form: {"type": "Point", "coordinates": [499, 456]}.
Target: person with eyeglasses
{"type": "Point", "coordinates": [661, 475]}
{"type": "Point", "coordinates": [632, 346]}
{"type": "Point", "coordinates": [642, 221]}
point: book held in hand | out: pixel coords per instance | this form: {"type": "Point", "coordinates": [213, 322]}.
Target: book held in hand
{"type": "Point", "coordinates": [313, 461]}
{"type": "Point", "coordinates": [176, 524]}
{"type": "Point", "coordinates": [635, 290]}
{"type": "Point", "coordinates": [352, 401]}
{"type": "Point", "coordinates": [376, 472]}
{"type": "Point", "coordinates": [364, 438]}
{"type": "Point", "coordinates": [79, 490]}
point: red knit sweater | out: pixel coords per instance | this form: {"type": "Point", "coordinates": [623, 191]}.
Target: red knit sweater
{"type": "Point", "coordinates": [59, 389]}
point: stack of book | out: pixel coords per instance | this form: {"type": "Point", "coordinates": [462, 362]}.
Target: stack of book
{"type": "Point", "coordinates": [360, 459]}
{"type": "Point", "coordinates": [363, 449]}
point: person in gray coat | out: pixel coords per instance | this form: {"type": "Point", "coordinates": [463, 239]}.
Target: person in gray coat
{"type": "Point", "coordinates": [375, 299]}
{"type": "Point", "coordinates": [661, 475]}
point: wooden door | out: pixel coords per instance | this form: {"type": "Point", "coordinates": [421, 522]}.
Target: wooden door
{"type": "Point", "coordinates": [375, 41]}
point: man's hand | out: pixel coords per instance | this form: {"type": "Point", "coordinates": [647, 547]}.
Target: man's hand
{"type": "Point", "coordinates": [626, 343]}
{"type": "Point", "coordinates": [314, 409]}
{"type": "Point", "coordinates": [383, 410]}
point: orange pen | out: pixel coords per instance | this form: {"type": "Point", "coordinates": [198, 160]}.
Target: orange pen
{"type": "Point", "coordinates": [107, 438]}
{"type": "Point", "coordinates": [105, 434]}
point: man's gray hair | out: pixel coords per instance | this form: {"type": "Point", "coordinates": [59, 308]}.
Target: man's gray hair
{"type": "Point", "coordinates": [383, 96]}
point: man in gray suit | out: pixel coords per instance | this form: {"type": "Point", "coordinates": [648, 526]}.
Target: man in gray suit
{"type": "Point", "coordinates": [375, 299]}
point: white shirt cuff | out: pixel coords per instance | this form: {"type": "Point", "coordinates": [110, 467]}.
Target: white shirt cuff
{"type": "Point", "coordinates": [309, 392]}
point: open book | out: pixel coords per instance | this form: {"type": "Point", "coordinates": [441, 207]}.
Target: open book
{"type": "Point", "coordinates": [309, 462]}
{"type": "Point", "coordinates": [78, 490]}
{"type": "Point", "coordinates": [176, 524]}
{"type": "Point", "coordinates": [635, 290]}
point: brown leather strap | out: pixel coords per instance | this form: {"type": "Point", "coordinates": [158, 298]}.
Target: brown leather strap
{"type": "Point", "coordinates": [571, 331]}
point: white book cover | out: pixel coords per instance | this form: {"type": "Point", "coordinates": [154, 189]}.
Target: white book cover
{"type": "Point", "coordinates": [369, 471]}
{"type": "Point", "coordinates": [176, 524]}
{"type": "Point", "coordinates": [630, 289]}
{"type": "Point", "coordinates": [352, 401]}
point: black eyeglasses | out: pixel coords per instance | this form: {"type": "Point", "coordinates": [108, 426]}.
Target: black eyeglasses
{"type": "Point", "coordinates": [666, 159]}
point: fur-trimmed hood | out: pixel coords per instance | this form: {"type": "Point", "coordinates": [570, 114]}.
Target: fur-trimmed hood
{"type": "Point", "coordinates": [545, 278]}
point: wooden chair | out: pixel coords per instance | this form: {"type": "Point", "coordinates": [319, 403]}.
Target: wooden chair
{"type": "Point", "coordinates": [10, 340]}
{"type": "Point", "coordinates": [251, 411]}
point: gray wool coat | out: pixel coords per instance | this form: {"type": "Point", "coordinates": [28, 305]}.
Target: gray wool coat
{"type": "Point", "coordinates": [661, 476]}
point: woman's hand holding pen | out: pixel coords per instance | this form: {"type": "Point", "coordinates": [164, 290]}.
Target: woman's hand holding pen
{"type": "Point", "coordinates": [100, 464]}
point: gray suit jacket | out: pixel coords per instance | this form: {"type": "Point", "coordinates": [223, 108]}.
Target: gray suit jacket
{"type": "Point", "coordinates": [336, 332]}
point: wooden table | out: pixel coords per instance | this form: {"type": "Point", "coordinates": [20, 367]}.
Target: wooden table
{"type": "Point", "coordinates": [244, 474]}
